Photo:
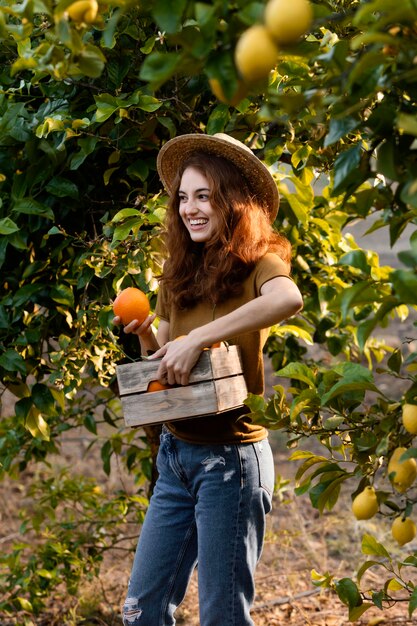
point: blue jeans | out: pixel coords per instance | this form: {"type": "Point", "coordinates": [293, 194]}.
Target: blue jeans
{"type": "Point", "coordinates": [208, 506]}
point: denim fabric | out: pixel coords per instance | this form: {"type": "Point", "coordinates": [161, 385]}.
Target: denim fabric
{"type": "Point", "coordinates": [208, 506]}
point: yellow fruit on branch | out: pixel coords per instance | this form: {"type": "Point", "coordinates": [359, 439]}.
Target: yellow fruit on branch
{"type": "Point", "coordinates": [288, 20]}
{"type": "Point", "coordinates": [403, 530]}
{"type": "Point", "coordinates": [238, 95]}
{"type": "Point", "coordinates": [83, 11]}
{"type": "Point", "coordinates": [410, 418]}
{"type": "Point", "coordinates": [365, 504]}
{"type": "Point", "coordinates": [131, 304]}
{"type": "Point", "coordinates": [401, 473]}
{"type": "Point", "coordinates": [256, 54]}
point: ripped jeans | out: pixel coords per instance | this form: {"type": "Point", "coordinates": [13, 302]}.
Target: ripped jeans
{"type": "Point", "coordinates": [208, 507]}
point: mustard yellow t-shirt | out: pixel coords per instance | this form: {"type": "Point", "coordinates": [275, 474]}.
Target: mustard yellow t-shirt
{"type": "Point", "coordinates": [232, 426]}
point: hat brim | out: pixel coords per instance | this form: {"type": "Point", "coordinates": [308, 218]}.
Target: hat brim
{"type": "Point", "coordinates": [260, 181]}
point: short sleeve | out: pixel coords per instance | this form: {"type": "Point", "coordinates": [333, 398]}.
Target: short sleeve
{"type": "Point", "coordinates": [270, 266]}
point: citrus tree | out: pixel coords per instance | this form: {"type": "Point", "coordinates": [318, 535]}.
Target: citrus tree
{"type": "Point", "coordinates": [90, 91]}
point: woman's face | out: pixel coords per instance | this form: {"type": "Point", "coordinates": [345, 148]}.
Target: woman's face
{"type": "Point", "coordinates": [199, 217]}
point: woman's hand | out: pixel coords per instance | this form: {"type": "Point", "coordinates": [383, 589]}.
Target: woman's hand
{"type": "Point", "coordinates": [141, 330]}
{"type": "Point", "coordinates": [148, 341]}
{"type": "Point", "coordinates": [178, 359]}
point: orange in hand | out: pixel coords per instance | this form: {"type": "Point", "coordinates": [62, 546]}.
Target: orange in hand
{"type": "Point", "coordinates": [131, 304]}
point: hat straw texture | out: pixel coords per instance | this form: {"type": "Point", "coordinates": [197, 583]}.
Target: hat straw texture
{"type": "Point", "coordinates": [259, 179]}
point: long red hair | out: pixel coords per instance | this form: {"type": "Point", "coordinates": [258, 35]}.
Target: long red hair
{"type": "Point", "coordinates": [214, 271]}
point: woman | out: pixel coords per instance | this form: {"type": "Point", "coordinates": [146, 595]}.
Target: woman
{"type": "Point", "coordinates": [226, 279]}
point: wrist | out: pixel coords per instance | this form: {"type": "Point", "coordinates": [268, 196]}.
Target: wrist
{"type": "Point", "coordinates": [198, 339]}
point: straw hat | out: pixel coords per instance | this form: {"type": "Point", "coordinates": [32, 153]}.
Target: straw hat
{"type": "Point", "coordinates": [259, 179]}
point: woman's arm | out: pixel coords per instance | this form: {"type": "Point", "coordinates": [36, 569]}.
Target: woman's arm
{"type": "Point", "coordinates": [279, 299]}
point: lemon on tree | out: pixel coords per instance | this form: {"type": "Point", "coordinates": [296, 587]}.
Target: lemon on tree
{"type": "Point", "coordinates": [288, 20]}
{"type": "Point", "coordinates": [365, 504]}
{"type": "Point", "coordinates": [255, 54]}
{"type": "Point", "coordinates": [403, 530]}
{"type": "Point", "coordinates": [238, 95]}
{"type": "Point", "coordinates": [83, 11]}
{"type": "Point", "coordinates": [401, 473]}
{"type": "Point", "coordinates": [410, 418]}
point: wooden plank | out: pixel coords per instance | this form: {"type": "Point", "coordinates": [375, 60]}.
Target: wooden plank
{"type": "Point", "coordinates": [216, 363]}
{"type": "Point", "coordinates": [231, 392]}
{"type": "Point", "coordinates": [208, 397]}
{"type": "Point", "coordinates": [225, 361]}
{"type": "Point", "coordinates": [170, 404]}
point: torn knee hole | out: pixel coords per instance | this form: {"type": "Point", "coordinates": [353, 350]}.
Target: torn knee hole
{"type": "Point", "coordinates": [131, 612]}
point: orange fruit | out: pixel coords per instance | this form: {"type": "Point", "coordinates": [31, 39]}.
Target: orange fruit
{"type": "Point", "coordinates": [131, 304]}
{"type": "Point", "coordinates": [155, 385]}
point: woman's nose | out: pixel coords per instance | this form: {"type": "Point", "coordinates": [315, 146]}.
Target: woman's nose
{"type": "Point", "coordinates": [191, 207]}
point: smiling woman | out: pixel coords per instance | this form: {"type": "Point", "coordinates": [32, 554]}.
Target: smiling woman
{"type": "Point", "coordinates": [226, 278]}
{"type": "Point", "coordinates": [195, 208]}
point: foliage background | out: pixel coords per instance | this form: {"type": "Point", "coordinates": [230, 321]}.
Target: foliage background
{"type": "Point", "coordinates": [84, 111]}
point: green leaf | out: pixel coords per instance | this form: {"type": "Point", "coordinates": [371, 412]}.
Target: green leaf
{"type": "Point", "coordinates": [149, 103]}
{"type": "Point", "coordinates": [362, 292]}
{"type": "Point", "coordinates": [218, 119]}
{"type": "Point", "coordinates": [36, 425]}
{"type": "Point", "coordinates": [338, 128]}
{"type": "Point", "coordinates": [364, 568]}
{"type": "Point", "coordinates": [168, 14]}
{"type": "Point", "coordinates": [412, 605]}
{"type": "Point", "coordinates": [409, 193]}
{"type": "Point", "coordinates": [405, 285]}
{"type": "Point", "coordinates": [62, 188]}
{"type": "Point", "coordinates": [372, 547]}
{"type": "Point", "coordinates": [24, 604]}
{"type": "Point", "coordinates": [159, 66]}
{"type": "Point", "coordinates": [63, 294]}
{"type": "Point", "coordinates": [356, 258]}
{"type": "Point", "coordinates": [348, 592]}
{"type": "Point", "coordinates": [346, 169]}
{"type": "Point", "coordinates": [28, 206]}
{"type": "Point", "coordinates": [12, 361]}
{"type": "Point", "coordinates": [298, 371]}
{"type": "Point", "coordinates": [138, 170]}
{"type": "Point", "coordinates": [90, 423]}
{"type": "Point", "coordinates": [8, 226]}
{"type": "Point", "coordinates": [123, 214]}
{"type": "Point", "coordinates": [355, 377]}
{"type": "Point", "coordinates": [43, 399]}
{"type": "Point", "coordinates": [90, 62]}
{"type": "Point", "coordinates": [356, 611]}
{"type": "Point", "coordinates": [407, 123]}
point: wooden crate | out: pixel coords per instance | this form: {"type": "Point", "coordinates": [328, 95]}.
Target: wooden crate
{"type": "Point", "coordinates": [216, 384]}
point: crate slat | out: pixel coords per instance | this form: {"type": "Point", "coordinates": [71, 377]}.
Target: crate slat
{"type": "Point", "coordinates": [205, 398]}
{"type": "Point", "coordinates": [216, 363]}
{"type": "Point", "coordinates": [216, 385]}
